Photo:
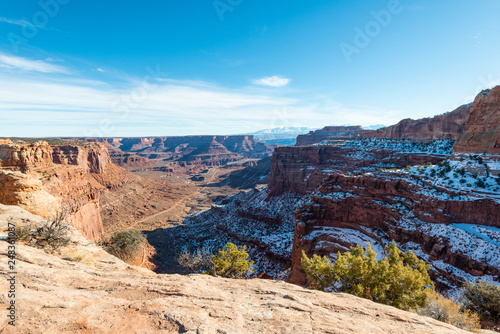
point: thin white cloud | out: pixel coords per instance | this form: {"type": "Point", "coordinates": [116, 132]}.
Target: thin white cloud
{"type": "Point", "coordinates": [100, 70]}
{"type": "Point", "coordinates": [274, 81]}
{"type": "Point", "coordinates": [22, 23]}
{"type": "Point", "coordinates": [24, 64]}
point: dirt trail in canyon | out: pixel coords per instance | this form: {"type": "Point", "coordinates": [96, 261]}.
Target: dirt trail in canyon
{"type": "Point", "coordinates": [184, 200]}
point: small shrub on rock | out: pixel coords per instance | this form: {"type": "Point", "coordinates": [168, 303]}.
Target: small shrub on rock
{"type": "Point", "coordinates": [50, 235]}
{"type": "Point", "coordinates": [125, 244]}
{"type": "Point", "coordinates": [230, 261]}
{"type": "Point", "coordinates": [446, 310]}
{"type": "Point", "coordinates": [400, 279]}
{"type": "Point", "coordinates": [482, 298]}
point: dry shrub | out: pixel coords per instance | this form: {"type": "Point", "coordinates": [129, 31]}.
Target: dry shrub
{"type": "Point", "coordinates": [446, 310]}
{"type": "Point", "coordinates": [78, 256]}
{"type": "Point", "coordinates": [50, 235]}
{"type": "Point", "coordinates": [125, 244]}
{"type": "Point", "coordinates": [483, 298]}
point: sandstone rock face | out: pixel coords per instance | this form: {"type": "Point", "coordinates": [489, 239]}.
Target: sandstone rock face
{"type": "Point", "coordinates": [79, 193]}
{"type": "Point", "coordinates": [20, 189]}
{"type": "Point", "coordinates": [24, 156]}
{"type": "Point", "coordinates": [447, 126]}
{"type": "Point", "coordinates": [92, 157]}
{"type": "Point", "coordinates": [61, 179]}
{"type": "Point", "coordinates": [126, 159]}
{"type": "Point", "coordinates": [101, 294]}
{"type": "Point", "coordinates": [482, 131]}
{"type": "Point", "coordinates": [330, 133]}
{"type": "Point", "coordinates": [302, 169]}
{"type": "Point", "coordinates": [430, 220]}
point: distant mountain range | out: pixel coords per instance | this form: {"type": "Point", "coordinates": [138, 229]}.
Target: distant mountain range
{"type": "Point", "coordinates": [283, 136]}
{"type": "Point", "coordinates": [287, 135]}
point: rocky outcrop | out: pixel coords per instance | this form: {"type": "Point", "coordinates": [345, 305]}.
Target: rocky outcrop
{"type": "Point", "coordinates": [57, 296]}
{"type": "Point", "coordinates": [330, 133]}
{"type": "Point", "coordinates": [482, 131]}
{"type": "Point", "coordinates": [446, 126]}
{"type": "Point", "coordinates": [24, 156]}
{"type": "Point", "coordinates": [25, 191]}
{"type": "Point", "coordinates": [350, 210]}
{"type": "Point", "coordinates": [127, 159]}
{"type": "Point", "coordinates": [302, 169]}
{"type": "Point", "coordinates": [56, 178]}
{"type": "Point", "coordinates": [79, 195]}
{"type": "Point", "coordinates": [91, 157]}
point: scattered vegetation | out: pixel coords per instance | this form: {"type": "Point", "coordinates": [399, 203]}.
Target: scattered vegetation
{"type": "Point", "coordinates": [125, 244]}
{"type": "Point", "coordinates": [482, 298]}
{"type": "Point", "coordinates": [446, 310]}
{"type": "Point", "coordinates": [231, 261]}
{"type": "Point", "coordinates": [400, 279]}
{"type": "Point", "coordinates": [50, 235]}
{"type": "Point", "coordinates": [78, 256]}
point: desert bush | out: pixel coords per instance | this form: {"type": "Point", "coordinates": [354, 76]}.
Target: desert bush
{"type": "Point", "coordinates": [230, 261]}
{"type": "Point", "coordinates": [482, 298]}
{"type": "Point", "coordinates": [50, 235]}
{"type": "Point", "coordinates": [125, 244]}
{"type": "Point", "coordinates": [446, 310]}
{"type": "Point", "coordinates": [399, 279]}
{"type": "Point", "coordinates": [23, 233]}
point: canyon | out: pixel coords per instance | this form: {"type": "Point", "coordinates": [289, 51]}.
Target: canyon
{"type": "Point", "coordinates": [400, 184]}
{"type": "Point", "coordinates": [430, 185]}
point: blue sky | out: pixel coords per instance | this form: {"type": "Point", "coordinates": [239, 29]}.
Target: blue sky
{"type": "Point", "coordinates": [157, 68]}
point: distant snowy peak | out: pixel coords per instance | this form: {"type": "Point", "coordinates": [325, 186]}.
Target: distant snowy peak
{"type": "Point", "coordinates": [374, 127]}
{"type": "Point", "coordinates": [284, 129]}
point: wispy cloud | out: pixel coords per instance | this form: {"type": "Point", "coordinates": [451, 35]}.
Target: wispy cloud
{"type": "Point", "coordinates": [50, 104]}
{"type": "Point", "coordinates": [25, 64]}
{"type": "Point", "coordinates": [274, 81]}
{"type": "Point", "coordinates": [22, 23]}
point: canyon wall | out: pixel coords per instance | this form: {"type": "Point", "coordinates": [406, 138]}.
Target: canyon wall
{"type": "Point", "coordinates": [446, 126]}
{"type": "Point", "coordinates": [45, 179]}
{"type": "Point", "coordinates": [91, 157]}
{"type": "Point", "coordinates": [330, 133]}
{"type": "Point", "coordinates": [432, 221]}
{"type": "Point", "coordinates": [482, 131]}
{"type": "Point", "coordinates": [25, 157]}
{"type": "Point", "coordinates": [210, 150]}
{"type": "Point", "coordinates": [302, 169]}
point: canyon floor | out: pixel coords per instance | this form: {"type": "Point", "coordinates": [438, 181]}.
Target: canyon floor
{"type": "Point", "coordinates": [152, 205]}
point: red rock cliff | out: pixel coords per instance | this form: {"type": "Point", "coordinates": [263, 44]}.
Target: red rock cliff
{"type": "Point", "coordinates": [446, 126]}
{"type": "Point", "coordinates": [347, 210]}
{"type": "Point", "coordinates": [23, 156]}
{"type": "Point", "coordinates": [482, 130]}
{"type": "Point", "coordinates": [91, 157]}
{"type": "Point", "coordinates": [330, 133]}
{"type": "Point", "coordinates": [302, 169]}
